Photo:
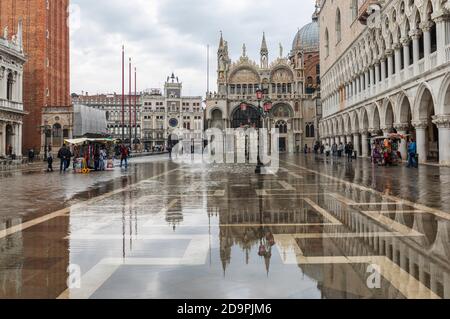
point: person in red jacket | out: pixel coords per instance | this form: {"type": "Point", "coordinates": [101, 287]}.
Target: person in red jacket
{"type": "Point", "coordinates": [123, 156]}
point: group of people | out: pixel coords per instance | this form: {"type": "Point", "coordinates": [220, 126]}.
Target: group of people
{"type": "Point", "coordinates": [386, 152]}
{"type": "Point", "coordinates": [100, 157]}
{"type": "Point", "coordinates": [336, 150]}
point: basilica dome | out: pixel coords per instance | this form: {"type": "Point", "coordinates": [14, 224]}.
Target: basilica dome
{"type": "Point", "coordinates": [307, 38]}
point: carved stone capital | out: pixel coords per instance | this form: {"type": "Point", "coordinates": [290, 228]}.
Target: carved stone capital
{"type": "Point", "coordinates": [420, 124]}
{"type": "Point", "coordinates": [364, 132]}
{"type": "Point", "coordinates": [415, 34]}
{"type": "Point", "coordinates": [405, 41]}
{"type": "Point", "coordinates": [386, 129]}
{"type": "Point", "coordinates": [373, 130]}
{"type": "Point", "coordinates": [401, 126]}
{"type": "Point", "coordinates": [426, 26]}
{"type": "Point", "coordinates": [442, 121]}
{"type": "Point", "coordinates": [396, 46]}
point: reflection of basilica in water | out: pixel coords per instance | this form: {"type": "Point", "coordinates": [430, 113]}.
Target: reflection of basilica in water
{"type": "Point", "coordinates": [248, 225]}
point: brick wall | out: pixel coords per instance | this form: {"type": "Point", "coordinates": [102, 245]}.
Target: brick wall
{"type": "Point", "coordinates": [38, 75]}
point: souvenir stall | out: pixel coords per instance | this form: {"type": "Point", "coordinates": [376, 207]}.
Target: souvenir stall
{"type": "Point", "coordinates": [385, 149]}
{"type": "Point", "coordinates": [92, 154]}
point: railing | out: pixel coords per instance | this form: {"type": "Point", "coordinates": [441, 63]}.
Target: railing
{"type": "Point", "coordinates": [433, 60]}
{"type": "Point", "coordinates": [447, 53]}
{"type": "Point", "coordinates": [11, 105]}
{"type": "Point", "coordinates": [411, 71]}
{"type": "Point", "coordinates": [421, 66]}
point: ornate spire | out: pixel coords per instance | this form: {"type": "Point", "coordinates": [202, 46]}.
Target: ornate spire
{"type": "Point", "coordinates": [221, 42]}
{"type": "Point", "coordinates": [244, 50]}
{"type": "Point", "coordinates": [264, 49]}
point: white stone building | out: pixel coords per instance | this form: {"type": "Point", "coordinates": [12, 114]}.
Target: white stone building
{"type": "Point", "coordinates": [385, 67]}
{"type": "Point", "coordinates": [286, 81]}
{"type": "Point", "coordinates": [12, 60]}
{"type": "Point", "coordinates": [163, 114]}
{"type": "Point", "coordinates": [112, 105]}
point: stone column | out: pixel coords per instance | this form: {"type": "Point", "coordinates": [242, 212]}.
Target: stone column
{"type": "Point", "coordinates": [398, 58]}
{"type": "Point", "coordinates": [422, 140]}
{"type": "Point", "coordinates": [356, 142]}
{"type": "Point", "coordinates": [415, 35]}
{"type": "Point", "coordinates": [403, 147]}
{"type": "Point", "coordinates": [2, 139]}
{"type": "Point", "coordinates": [365, 143]}
{"type": "Point", "coordinates": [426, 28]}
{"type": "Point", "coordinates": [383, 68]}
{"type": "Point", "coordinates": [441, 37]}
{"type": "Point", "coordinates": [349, 139]}
{"type": "Point", "coordinates": [443, 124]}
{"type": "Point", "coordinates": [377, 72]}
{"type": "Point", "coordinates": [372, 76]}
{"type": "Point", "coordinates": [386, 130]}
{"type": "Point", "coordinates": [366, 79]}
{"type": "Point", "coordinates": [20, 140]}
{"type": "Point", "coordinates": [406, 53]}
{"type": "Point", "coordinates": [390, 62]}
{"type": "Point", "coordinates": [361, 82]}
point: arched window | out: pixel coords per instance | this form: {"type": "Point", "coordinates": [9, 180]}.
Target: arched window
{"type": "Point", "coordinates": [282, 127]}
{"type": "Point", "coordinates": [57, 135]}
{"type": "Point", "coordinates": [9, 87]}
{"type": "Point", "coordinates": [327, 43]}
{"type": "Point", "coordinates": [354, 9]}
{"type": "Point", "coordinates": [312, 132]}
{"type": "Point", "coordinates": [338, 26]}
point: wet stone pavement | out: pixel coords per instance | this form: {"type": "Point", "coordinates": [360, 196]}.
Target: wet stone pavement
{"type": "Point", "coordinates": [315, 229]}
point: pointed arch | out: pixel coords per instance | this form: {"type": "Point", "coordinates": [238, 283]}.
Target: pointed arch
{"type": "Point", "coordinates": [424, 102]}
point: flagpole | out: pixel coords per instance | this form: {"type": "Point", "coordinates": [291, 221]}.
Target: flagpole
{"type": "Point", "coordinates": [130, 114]}
{"type": "Point", "coordinates": [123, 93]}
{"type": "Point", "coordinates": [135, 105]}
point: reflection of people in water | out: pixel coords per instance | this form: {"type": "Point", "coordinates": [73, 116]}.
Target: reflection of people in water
{"type": "Point", "coordinates": [267, 242]}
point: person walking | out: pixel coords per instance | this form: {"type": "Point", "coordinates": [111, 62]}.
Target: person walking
{"type": "Point", "coordinates": [340, 149]}
{"type": "Point", "coordinates": [327, 150]}
{"type": "Point", "coordinates": [334, 149]}
{"type": "Point", "coordinates": [30, 155]}
{"type": "Point", "coordinates": [103, 159]}
{"type": "Point", "coordinates": [63, 155]}
{"type": "Point", "coordinates": [412, 152]}
{"type": "Point", "coordinates": [49, 161]}
{"type": "Point", "coordinates": [349, 151]}
{"type": "Point", "coordinates": [123, 156]}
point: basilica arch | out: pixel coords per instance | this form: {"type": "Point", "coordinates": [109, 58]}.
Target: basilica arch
{"type": "Point", "coordinates": [248, 118]}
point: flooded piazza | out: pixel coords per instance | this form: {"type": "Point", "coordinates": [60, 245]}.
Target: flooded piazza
{"type": "Point", "coordinates": [313, 230]}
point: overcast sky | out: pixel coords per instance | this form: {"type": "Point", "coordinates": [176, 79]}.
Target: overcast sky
{"type": "Point", "coordinates": [165, 36]}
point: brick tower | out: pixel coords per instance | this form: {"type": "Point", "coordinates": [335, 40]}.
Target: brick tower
{"type": "Point", "coordinates": [46, 94]}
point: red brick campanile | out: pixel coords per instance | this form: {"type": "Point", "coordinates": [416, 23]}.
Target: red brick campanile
{"type": "Point", "coordinates": [47, 70]}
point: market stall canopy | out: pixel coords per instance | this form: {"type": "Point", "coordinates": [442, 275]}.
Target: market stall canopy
{"type": "Point", "coordinates": [79, 141]}
{"type": "Point", "coordinates": [392, 136]}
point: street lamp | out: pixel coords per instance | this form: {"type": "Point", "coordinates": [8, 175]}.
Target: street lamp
{"type": "Point", "coordinates": [263, 113]}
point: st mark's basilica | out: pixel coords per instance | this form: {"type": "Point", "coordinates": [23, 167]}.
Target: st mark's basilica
{"type": "Point", "coordinates": [292, 83]}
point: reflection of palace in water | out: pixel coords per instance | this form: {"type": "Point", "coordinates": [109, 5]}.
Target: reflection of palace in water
{"type": "Point", "coordinates": [34, 263]}
{"type": "Point", "coordinates": [424, 257]}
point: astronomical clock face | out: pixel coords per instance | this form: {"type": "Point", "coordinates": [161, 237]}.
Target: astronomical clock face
{"type": "Point", "coordinates": [282, 76]}
{"type": "Point", "coordinates": [173, 122]}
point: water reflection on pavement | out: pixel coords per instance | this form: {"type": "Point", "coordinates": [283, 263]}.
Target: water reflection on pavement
{"type": "Point", "coordinates": [316, 229]}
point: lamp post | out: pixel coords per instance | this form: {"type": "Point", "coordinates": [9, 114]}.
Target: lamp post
{"type": "Point", "coordinates": [45, 129]}
{"type": "Point", "coordinates": [263, 113]}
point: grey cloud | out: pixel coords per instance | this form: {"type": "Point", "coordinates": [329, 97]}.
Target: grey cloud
{"type": "Point", "coordinates": [171, 35]}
